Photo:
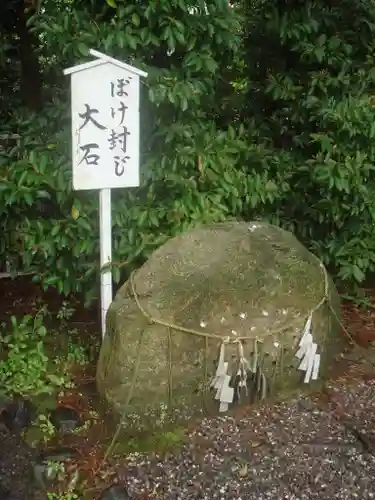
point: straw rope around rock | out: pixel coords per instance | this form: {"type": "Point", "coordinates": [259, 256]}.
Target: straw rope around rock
{"type": "Point", "coordinates": [229, 339]}
{"type": "Point", "coordinates": [216, 303]}
{"type": "Point", "coordinates": [200, 287]}
{"type": "Point", "coordinates": [136, 366]}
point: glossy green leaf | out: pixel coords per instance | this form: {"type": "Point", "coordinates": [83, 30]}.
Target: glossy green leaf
{"type": "Point", "coordinates": [83, 49]}
{"type": "Point", "coordinates": [135, 19]}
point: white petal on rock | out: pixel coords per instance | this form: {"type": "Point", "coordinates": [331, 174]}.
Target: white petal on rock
{"type": "Point", "coordinates": [315, 372]}
{"type": "Point", "coordinates": [265, 313]}
{"type": "Point", "coordinates": [203, 324]}
{"type": "Point", "coordinates": [243, 315]}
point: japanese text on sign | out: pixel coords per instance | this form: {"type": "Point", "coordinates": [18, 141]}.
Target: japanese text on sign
{"type": "Point", "coordinates": [105, 125]}
{"type": "Point", "coordinates": [117, 136]}
{"type": "Point", "coordinates": [90, 150]}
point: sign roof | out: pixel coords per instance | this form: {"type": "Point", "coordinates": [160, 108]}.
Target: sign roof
{"type": "Point", "coordinates": [103, 59]}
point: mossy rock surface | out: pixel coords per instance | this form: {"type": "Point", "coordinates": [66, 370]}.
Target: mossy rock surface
{"type": "Point", "coordinates": [253, 281]}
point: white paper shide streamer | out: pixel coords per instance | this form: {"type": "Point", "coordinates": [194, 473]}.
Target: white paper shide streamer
{"type": "Point", "coordinates": [307, 353]}
{"type": "Point", "coordinates": [221, 380]}
{"type": "Point", "coordinates": [224, 393]}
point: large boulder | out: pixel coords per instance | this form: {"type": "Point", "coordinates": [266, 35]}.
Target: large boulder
{"type": "Point", "coordinates": [245, 291]}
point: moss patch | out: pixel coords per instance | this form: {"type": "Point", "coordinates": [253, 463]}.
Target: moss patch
{"type": "Point", "coordinates": [160, 442]}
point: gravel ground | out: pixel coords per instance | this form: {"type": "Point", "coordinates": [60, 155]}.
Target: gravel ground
{"type": "Point", "coordinates": [317, 447]}
{"type": "Point", "coordinates": [16, 482]}
{"type": "Point", "coordinates": [306, 449]}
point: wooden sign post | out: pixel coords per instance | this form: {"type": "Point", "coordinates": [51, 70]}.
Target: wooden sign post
{"type": "Point", "coordinates": [105, 142]}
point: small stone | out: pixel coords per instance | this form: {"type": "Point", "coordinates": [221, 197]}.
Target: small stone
{"type": "Point", "coordinates": [307, 404]}
{"type": "Point", "coordinates": [255, 444]}
{"type": "Point", "coordinates": [18, 414]}
{"type": "Point", "coordinates": [44, 474]}
{"type": "Point", "coordinates": [65, 419]}
{"type": "Point", "coordinates": [115, 492]}
{"type": "Point", "coordinates": [243, 471]}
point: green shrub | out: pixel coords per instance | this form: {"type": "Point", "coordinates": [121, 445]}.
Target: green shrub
{"type": "Point", "coordinates": [310, 64]}
{"type": "Point", "coordinates": [264, 110]}
{"type": "Point", "coordinates": [192, 170]}
{"type": "Point", "coordinates": [24, 365]}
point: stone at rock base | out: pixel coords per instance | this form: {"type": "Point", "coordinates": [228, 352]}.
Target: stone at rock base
{"type": "Point", "coordinates": [249, 280]}
{"type": "Point", "coordinates": [115, 492]}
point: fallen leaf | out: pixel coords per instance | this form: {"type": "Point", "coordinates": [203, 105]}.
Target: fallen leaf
{"type": "Point", "coordinates": [75, 213]}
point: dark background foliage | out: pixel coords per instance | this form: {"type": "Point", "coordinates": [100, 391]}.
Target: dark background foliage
{"type": "Point", "coordinates": [262, 109]}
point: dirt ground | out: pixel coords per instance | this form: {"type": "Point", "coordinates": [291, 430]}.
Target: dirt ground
{"type": "Point", "coordinates": [318, 446]}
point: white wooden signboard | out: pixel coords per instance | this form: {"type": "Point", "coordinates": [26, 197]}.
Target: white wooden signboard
{"type": "Point", "coordinates": [105, 141]}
